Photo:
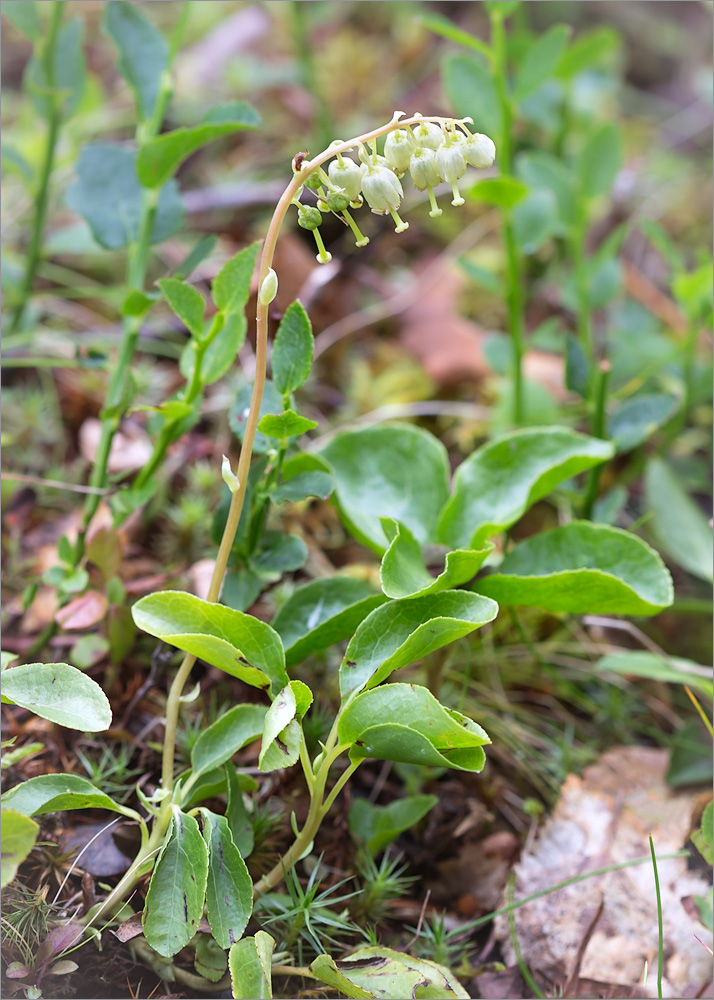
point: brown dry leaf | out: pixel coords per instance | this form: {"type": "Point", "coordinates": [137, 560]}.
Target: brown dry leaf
{"type": "Point", "coordinates": [131, 447]}
{"type": "Point", "coordinates": [605, 818]}
{"type": "Point", "coordinates": [450, 347]}
{"type": "Point", "coordinates": [83, 612]}
{"type": "Point", "coordinates": [476, 875]}
{"type": "Point", "coordinates": [97, 850]}
{"type": "Point", "coordinates": [199, 576]}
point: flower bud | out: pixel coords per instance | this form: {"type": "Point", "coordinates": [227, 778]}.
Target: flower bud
{"type": "Point", "coordinates": [309, 217]}
{"type": "Point", "coordinates": [398, 147]}
{"type": "Point", "coordinates": [229, 476]}
{"type": "Point", "coordinates": [347, 174]}
{"type": "Point", "coordinates": [382, 189]}
{"type": "Point", "coordinates": [479, 150]}
{"type": "Point", "coordinates": [337, 200]}
{"type": "Point", "coordinates": [313, 180]}
{"type": "Point", "coordinates": [428, 134]}
{"type": "Point", "coordinates": [268, 289]}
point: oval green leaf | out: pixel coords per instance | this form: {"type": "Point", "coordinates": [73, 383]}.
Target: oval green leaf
{"type": "Point", "coordinates": [583, 568]}
{"type": "Point", "coordinates": [377, 826]}
{"type": "Point", "coordinates": [322, 613]}
{"type": "Point", "coordinates": [291, 358]}
{"type": "Point", "coordinates": [405, 722]}
{"type": "Point", "coordinates": [471, 91]}
{"type": "Point", "coordinates": [678, 524]}
{"type": "Point", "coordinates": [186, 302]}
{"type": "Point", "coordinates": [143, 52]}
{"type": "Point", "coordinates": [231, 286]}
{"type": "Point", "coordinates": [394, 471]}
{"type": "Point", "coordinates": [229, 889]}
{"type": "Point", "coordinates": [281, 733]}
{"type": "Point", "coordinates": [60, 693]}
{"type": "Point", "coordinates": [402, 632]}
{"type": "Point", "coordinates": [56, 792]}
{"type": "Point", "coordinates": [177, 891]}
{"type": "Point", "coordinates": [160, 158]}
{"type": "Point", "coordinates": [497, 484]}
{"type": "Point", "coordinates": [373, 973]}
{"type": "Point", "coordinates": [224, 737]}
{"type": "Point", "coordinates": [637, 419]}
{"type": "Point", "coordinates": [249, 962]}
{"type": "Point", "coordinates": [235, 642]}
{"type": "Point", "coordinates": [403, 572]}
{"type": "Point", "coordinates": [19, 834]}
{"type": "Point", "coordinates": [669, 669]}
{"type": "Point", "coordinates": [539, 61]}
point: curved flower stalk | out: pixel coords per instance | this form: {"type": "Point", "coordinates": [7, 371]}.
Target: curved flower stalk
{"type": "Point", "coordinates": [344, 182]}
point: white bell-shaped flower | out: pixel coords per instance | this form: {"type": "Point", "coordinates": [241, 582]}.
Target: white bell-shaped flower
{"type": "Point", "coordinates": [425, 174]}
{"type": "Point", "coordinates": [451, 164]}
{"type": "Point", "coordinates": [479, 150]}
{"type": "Point", "coordinates": [346, 174]}
{"type": "Point", "coordinates": [383, 192]}
{"type": "Point", "coordinates": [428, 134]}
{"type": "Point", "coordinates": [398, 147]}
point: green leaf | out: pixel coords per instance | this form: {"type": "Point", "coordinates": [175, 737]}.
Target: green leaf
{"type": "Point", "coordinates": [60, 693]}
{"type": "Point", "coordinates": [241, 588]}
{"type": "Point", "coordinates": [322, 613]}
{"type": "Point", "coordinates": [160, 158]}
{"type": "Point", "coordinates": [394, 471]}
{"type": "Point", "coordinates": [535, 220]}
{"type": "Point", "coordinates": [540, 61]}
{"type": "Point", "coordinates": [470, 91]}
{"type": "Point", "coordinates": [678, 524]}
{"type": "Point", "coordinates": [200, 252]}
{"type": "Point", "coordinates": [143, 52]}
{"type": "Point", "coordinates": [587, 50]}
{"type": "Point", "coordinates": [210, 959]}
{"type": "Point", "coordinates": [403, 572]}
{"type": "Point", "coordinates": [405, 722]}
{"type": "Point", "coordinates": [19, 834]}
{"type": "Point", "coordinates": [229, 890]}
{"type": "Point", "coordinates": [304, 485]}
{"type": "Point", "coordinates": [279, 554]}
{"type": "Point", "coordinates": [670, 669]}
{"type": "Point", "coordinates": [690, 762]}
{"type": "Point", "coordinates": [583, 568]}
{"type": "Point", "coordinates": [241, 645]}
{"type": "Point", "coordinates": [542, 171]}
{"type": "Point", "coordinates": [497, 484]}
{"type": "Point", "coordinates": [442, 26]}
{"type": "Point", "coordinates": [25, 16]}
{"type": "Point", "coordinates": [503, 192]}
{"type": "Point", "coordinates": [221, 353]}
{"type": "Point", "coordinates": [577, 366]}
{"type": "Point", "coordinates": [12, 161]}
{"type": "Point", "coordinates": [107, 194]}
{"type": "Point", "coordinates": [291, 358]}
{"type": "Point", "coordinates": [402, 632]}
{"type": "Point", "coordinates": [186, 301]}
{"type": "Point", "coordinates": [637, 419]}
{"type": "Point", "coordinates": [56, 792]}
{"type": "Point", "coordinates": [373, 973]}
{"type": "Point", "coordinates": [704, 836]}
{"type": "Point", "coordinates": [231, 286]}
{"type": "Point", "coordinates": [249, 961]}
{"type": "Point", "coordinates": [69, 71]}
{"type": "Point", "coordinates": [693, 290]}
{"type": "Point", "coordinates": [237, 814]}
{"type": "Point", "coordinates": [177, 891]}
{"type": "Point", "coordinates": [282, 733]}
{"type": "Point", "coordinates": [285, 425]}
{"type": "Point", "coordinates": [377, 826]}
{"type": "Point", "coordinates": [599, 160]}
{"type": "Point", "coordinates": [272, 402]}
{"type": "Point", "coordinates": [227, 735]}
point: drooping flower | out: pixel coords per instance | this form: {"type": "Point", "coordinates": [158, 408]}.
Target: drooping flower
{"type": "Point", "coordinates": [310, 218]}
{"type": "Point", "coordinates": [451, 163]}
{"type": "Point", "coordinates": [383, 191]}
{"type": "Point", "coordinates": [425, 174]}
{"type": "Point", "coordinates": [479, 150]}
{"type": "Point", "coordinates": [428, 134]}
{"type": "Point", "coordinates": [346, 174]}
{"type": "Point", "coordinates": [398, 147]}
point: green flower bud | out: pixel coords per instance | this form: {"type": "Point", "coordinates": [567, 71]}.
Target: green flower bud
{"type": "Point", "coordinates": [337, 200]}
{"type": "Point", "coordinates": [382, 189]}
{"type": "Point", "coordinates": [347, 174]}
{"type": "Point", "coordinates": [313, 180]}
{"type": "Point", "coordinates": [398, 147]}
{"type": "Point", "coordinates": [428, 134]}
{"type": "Point", "coordinates": [309, 217]}
{"type": "Point", "coordinates": [479, 150]}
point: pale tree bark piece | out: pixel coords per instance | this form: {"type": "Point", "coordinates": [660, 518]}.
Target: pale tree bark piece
{"type": "Point", "coordinates": [605, 818]}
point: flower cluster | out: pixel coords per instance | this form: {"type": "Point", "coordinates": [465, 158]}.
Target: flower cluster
{"type": "Point", "coordinates": [429, 152]}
